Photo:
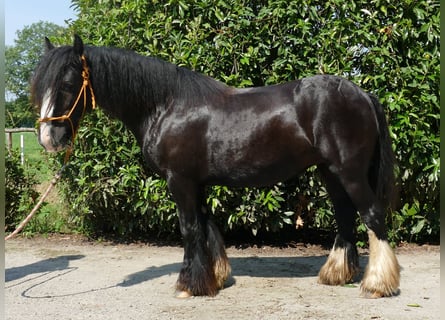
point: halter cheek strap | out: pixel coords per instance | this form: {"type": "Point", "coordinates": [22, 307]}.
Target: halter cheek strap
{"type": "Point", "coordinates": [83, 90]}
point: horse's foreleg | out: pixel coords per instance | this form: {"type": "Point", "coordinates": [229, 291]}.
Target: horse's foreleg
{"type": "Point", "coordinates": [197, 276]}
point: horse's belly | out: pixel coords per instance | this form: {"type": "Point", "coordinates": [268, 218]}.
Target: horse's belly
{"type": "Point", "coordinates": [252, 177]}
{"type": "Point", "coordinates": [259, 166]}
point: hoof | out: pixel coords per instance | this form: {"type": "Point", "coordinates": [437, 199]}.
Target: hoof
{"type": "Point", "coordinates": [368, 294]}
{"type": "Point", "coordinates": [371, 295]}
{"type": "Point", "coordinates": [184, 295]}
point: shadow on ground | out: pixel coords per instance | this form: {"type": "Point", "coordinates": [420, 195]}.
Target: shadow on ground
{"type": "Point", "coordinates": [261, 267]}
{"type": "Point", "coordinates": [43, 266]}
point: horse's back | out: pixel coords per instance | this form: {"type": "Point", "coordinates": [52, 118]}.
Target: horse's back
{"type": "Point", "coordinates": [259, 136]}
{"type": "Point", "coordinates": [286, 128]}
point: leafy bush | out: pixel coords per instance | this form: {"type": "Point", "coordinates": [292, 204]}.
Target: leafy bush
{"type": "Point", "coordinates": [108, 188]}
{"type": "Point", "coordinates": [20, 195]}
{"type": "Point", "coordinates": [389, 49]}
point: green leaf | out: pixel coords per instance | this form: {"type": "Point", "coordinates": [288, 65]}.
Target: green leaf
{"type": "Point", "coordinates": [414, 305]}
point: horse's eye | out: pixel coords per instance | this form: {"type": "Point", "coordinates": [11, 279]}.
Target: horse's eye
{"type": "Point", "coordinates": [66, 87]}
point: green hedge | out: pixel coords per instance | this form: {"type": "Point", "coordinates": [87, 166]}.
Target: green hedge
{"type": "Point", "coordinates": [20, 194]}
{"type": "Point", "coordinates": [390, 49]}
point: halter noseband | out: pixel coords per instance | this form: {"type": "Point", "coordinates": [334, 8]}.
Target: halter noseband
{"type": "Point", "coordinates": [86, 83]}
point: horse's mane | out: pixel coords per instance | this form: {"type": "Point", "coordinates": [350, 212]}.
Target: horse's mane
{"type": "Point", "coordinates": [128, 80]}
{"type": "Point", "coordinates": [125, 81]}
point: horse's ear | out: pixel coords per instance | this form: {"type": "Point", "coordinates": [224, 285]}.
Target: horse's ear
{"type": "Point", "coordinates": [78, 45]}
{"type": "Point", "coordinates": [48, 45]}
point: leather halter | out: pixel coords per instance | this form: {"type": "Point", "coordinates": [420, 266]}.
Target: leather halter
{"type": "Point", "coordinates": [83, 90]}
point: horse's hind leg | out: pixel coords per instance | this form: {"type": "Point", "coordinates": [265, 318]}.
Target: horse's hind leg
{"type": "Point", "coordinates": [342, 264]}
{"type": "Point", "coordinates": [382, 274]}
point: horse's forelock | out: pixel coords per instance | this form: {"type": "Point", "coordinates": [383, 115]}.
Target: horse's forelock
{"type": "Point", "coordinates": [49, 72]}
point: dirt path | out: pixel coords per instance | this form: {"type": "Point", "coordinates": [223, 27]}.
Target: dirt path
{"type": "Point", "coordinates": [67, 278]}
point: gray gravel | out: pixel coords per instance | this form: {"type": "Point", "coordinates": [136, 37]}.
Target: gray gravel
{"type": "Point", "coordinates": [69, 278]}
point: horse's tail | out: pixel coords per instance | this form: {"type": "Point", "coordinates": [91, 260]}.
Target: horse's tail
{"type": "Point", "coordinates": [381, 174]}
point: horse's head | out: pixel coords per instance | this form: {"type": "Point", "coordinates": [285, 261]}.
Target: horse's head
{"type": "Point", "coordinates": [61, 89]}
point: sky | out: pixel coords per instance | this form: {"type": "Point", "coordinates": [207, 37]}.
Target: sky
{"type": "Point", "coordinates": [20, 13]}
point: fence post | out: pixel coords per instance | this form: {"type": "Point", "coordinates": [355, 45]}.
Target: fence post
{"type": "Point", "coordinates": [9, 141]}
{"type": "Point", "coordinates": [22, 150]}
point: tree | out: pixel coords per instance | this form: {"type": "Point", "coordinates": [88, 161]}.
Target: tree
{"type": "Point", "coordinates": [390, 49]}
{"type": "Point", "coordinates": [21, 59]}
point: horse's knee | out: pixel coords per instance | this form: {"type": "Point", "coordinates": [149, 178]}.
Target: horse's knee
{"type": "Point", "coordinates": [382, 274]}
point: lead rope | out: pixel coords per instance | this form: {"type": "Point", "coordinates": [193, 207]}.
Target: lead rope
{"type": "Point", "coordinates": [86, 83]}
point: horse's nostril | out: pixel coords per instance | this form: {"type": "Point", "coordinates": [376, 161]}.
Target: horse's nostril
{"type": "Point", "coordinates": [53, 138]}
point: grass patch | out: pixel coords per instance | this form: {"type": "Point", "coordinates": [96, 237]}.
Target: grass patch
{"type": "Point", "coordinates": [32, 148]}
{"type": "Point", "coordinates": [34, 155]}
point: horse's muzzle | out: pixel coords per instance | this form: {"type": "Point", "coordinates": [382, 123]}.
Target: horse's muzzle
{"type": "Point", "coordinates": [53, 138]}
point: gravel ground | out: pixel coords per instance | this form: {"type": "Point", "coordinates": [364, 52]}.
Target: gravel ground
{"type": "Point", "coordinates": [71, 278]}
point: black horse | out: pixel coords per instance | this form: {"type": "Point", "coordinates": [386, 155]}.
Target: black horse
{"type": "Point", "coordinates": [195, 131]}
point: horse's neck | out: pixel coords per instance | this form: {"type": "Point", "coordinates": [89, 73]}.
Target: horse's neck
{"type": "Point", "coordinates": [137, 89]}
{"type": "Point", "coordinates": [128, 87]}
